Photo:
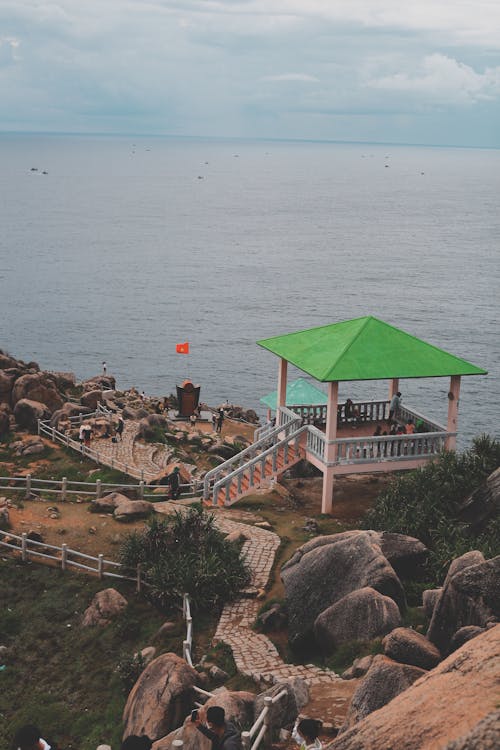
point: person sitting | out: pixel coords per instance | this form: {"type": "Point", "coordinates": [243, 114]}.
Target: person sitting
{"type": "Point", "coordinates": [378, 431]}
{"type": "Point", "coordinates": [305, 733]}
{"type": "Point", "coordinates": [410, 427]}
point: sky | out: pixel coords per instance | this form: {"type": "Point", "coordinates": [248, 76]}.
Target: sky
{"type": "Point", "coordinates": [388, 71]}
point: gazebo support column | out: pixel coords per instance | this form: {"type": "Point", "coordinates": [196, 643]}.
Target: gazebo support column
{"type": "Point", "coordinates": [281, 395]}
{"type": "Point", "coordinates": [393, 387]}
{"type": "Point", "coordinates": [453, 402]}
{"type": "Point", "coordinates": [330, 447]}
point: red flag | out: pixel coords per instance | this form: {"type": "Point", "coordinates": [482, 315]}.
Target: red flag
{"type": "Point", "coordinates": [182, 348]}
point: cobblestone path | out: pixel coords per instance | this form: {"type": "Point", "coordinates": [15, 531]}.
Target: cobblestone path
{"type": "Point", "coordinates": [142, 459]}
{"type": "Point", "coordinates": [254, 654]}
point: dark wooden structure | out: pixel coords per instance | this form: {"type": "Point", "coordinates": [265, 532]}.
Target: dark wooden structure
{"type": "Point", "coordinates": [188, 398]}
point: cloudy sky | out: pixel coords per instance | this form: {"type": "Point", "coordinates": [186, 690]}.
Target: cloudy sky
{"type": "Point", "coordinates": [363, 70]}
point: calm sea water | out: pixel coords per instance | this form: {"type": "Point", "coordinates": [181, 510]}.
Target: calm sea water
{"type": "Point", "coordinates": [130, 245]}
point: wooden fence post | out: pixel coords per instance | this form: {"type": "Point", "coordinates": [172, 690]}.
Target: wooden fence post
{"type": "Point", "coordinates": [98, 489]}
{"type": "Point", "coordinates": [28, 485]}
{"type": "Point", "coordinates": [64, 556]}
{"type": "Point", "coordinates": [38, 426]}
{"type": "Point", "coordinates": [24, 546]}
{"type": "Point", "coordinates": [139, 579]}
{"type": "Point", "coordinates": [100, 566]}
{"type": "Point", "coordinates": [141, 489]}
{"type": "Point", "coordinates": [64, 487]}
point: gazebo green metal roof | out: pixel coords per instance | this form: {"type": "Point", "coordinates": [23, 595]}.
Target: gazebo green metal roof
{"type": "Point", "coordinates": [298, 392]}
{"type": "Point", "coordinates": [365, 349]}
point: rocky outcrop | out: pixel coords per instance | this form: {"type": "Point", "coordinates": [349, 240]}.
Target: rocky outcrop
{"type": "Point", "coordinates": [405, 553]}
{"type": "Point", "coordinates": [108, 503]}
{"type": "Point", "coordinates": [6, 385]}
{"type": "Point", "coordinates": [28, 447]}
{"type": "Point", "coordinates": [285, 711]}
{"type": "Point", "coordinates": [483, 504]}
{"type": "Point", "coordinates": [91, 399]}
{"type": "Point", "coordinates": [161, 698]}
{"type": "Point", "coordinates": [131, 510]}
{"type": "Point", "coordinates": [444, 706]}
{"type": "Point", "coordinates": [105, 605]}
{"type": "Point", "coordinates": [99, 383]}
{"type": "Point", "coordinates": [430, 598]}
{"type": "Point", "coordinates": [39, 387]}
{"type": "Point", "coordinates": [326, 569]}
{"type": "Point", "coordinates": [4, 419]}
{"type": "Point", "coordinates": [384, 680]}
{"type": "Point", "coordinates": [148, 426]}
{"type": "Point", "coordinates": [27, 413]}
{"type": "Point", "coordinates": [67, 410]}
{"type": "Point", "coordinates": [465, 634]}
{"type": "Point", "coordinates": [409, 647]}
{"type": "Point", "coordinates": [359, 668]}
{"type": "Point", "coordinates": [359, 616]}
{"type": "Point", "coordinates": [484, 736]}
{"type": "Point", "coordinates": [470, 596]}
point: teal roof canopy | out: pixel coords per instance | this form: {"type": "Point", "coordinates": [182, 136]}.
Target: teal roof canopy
{"type": "Point", "coordinates": [365, 349]}
{"type": "Point", "coordinates": [298, 392]}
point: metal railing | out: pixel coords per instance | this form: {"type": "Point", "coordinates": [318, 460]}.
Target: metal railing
{"type": "Point", "coordinates": [262, 724]}
{"type": "Point", "coordinates": [237, 475]}
{"type": "Point", "coordinates": [66, 558]}
{"type": "Point", "coordinates": [289, 424]}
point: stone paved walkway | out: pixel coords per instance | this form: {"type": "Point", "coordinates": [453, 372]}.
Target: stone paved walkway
{"type": "Point", "coordinates": [149, 458]}
{"type": "Point", "coordinates": [254, 654]}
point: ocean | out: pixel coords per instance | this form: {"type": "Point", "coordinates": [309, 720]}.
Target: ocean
{"type": "Point", "coordinates": [130, 245]}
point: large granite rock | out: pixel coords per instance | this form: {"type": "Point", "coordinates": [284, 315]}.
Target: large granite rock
{"type": "Point", "coordinates": [409, 647]}
{"type": "Point", "coordinates": [384, 680]}
{"type": "Point", "coordinates": [470, 596]}
{"type": "Point", "coordinates": [108, 503]}
{"type": "Point", "coordinates": [405, 553]}
{"type": "Point", "coordinates": [465, 634]}
{"type": "Point", "coordinates": [326, 569]}
{"type": "Point", "coordinates": [285, 711]}
{"type": "Point", "coordinates": [484, 736]}
{"type": "Point", "coordinates": [430, 598]}
{"type": "Point", "coordinates": [91, 399]}
{"type": "Point", "coordinates": [39, 387]}
{"type": "Point", "coordinates": [161, 698]}
{"type": "Point", "coordinates": [6, 385]}
{"type": "Point", "coordinates": [483, 504]}
{"type": "Point", "coordinates": [105, 605]}
{"type": "Point", "coordinates": [443, 706]}
{"type": "Point", "coordinates": [131, 510]}
{"type": "Point", "coordinates": [27, 413]}
{"type": "Point", "coordinates": [4, 419]}
{"type": "Point", "coordinates": [67, 410]}
{"type": "Point", "coordinates": [359, 616]}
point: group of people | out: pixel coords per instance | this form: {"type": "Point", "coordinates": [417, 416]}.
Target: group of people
{"type": "Point", "coordinates": [218, 418]}
{"type": "Point", "coordinates": [85, 432]}
{"type": "Point", "coordinates": [211, 722]}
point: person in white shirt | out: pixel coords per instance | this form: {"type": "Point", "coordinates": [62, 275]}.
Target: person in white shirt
{"type": "Point", "coordinates": [305, 733]}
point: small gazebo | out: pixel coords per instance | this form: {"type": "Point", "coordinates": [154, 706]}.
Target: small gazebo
{"type": "Point", "coordinates": [366, 349]}
{"type": "Point", "coordinates": [301, 395]}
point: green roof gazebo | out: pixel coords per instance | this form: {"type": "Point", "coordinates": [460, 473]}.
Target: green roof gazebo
{"type": "Point", "coordinates": [298, 393]}
{"type": "Point", "coordinates": [367, 349]}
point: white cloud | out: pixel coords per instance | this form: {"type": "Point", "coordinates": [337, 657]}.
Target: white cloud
{"type": "Point", "coordinates": [290, 77]}
{"type": "Point", "coordinates": [444, 79]}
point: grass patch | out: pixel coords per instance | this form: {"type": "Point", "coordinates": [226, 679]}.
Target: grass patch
{"type": "Point", "coordinates": [75, 692]}
{"type": "Point", "coordinates": [344, 655]}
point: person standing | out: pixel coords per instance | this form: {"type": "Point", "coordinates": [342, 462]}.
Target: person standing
{"type": "Point", "coordinates": [394, 406]}
{"type": "Point", "coordinates": [120, 427]}
{"type": "Point", "coordinates": [214, 421]}
{"type": "Point", "coordinates": [104, 368]}
{"type": "Point", "coordinates": [220, 420]}
{"type": "Point", "coordinates": [305, 733]}
{"type": "Point", "coordinates": [212, 723]}
{"type": "Point", "coordinates": [173, 480]}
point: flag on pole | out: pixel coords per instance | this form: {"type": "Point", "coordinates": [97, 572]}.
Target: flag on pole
{"type": "Point", "coordinates": [182, 348]}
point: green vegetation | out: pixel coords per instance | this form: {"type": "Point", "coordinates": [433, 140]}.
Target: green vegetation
{"type": "Point", "coordinates": [426, 504]}
{"type": "Point", "coordinates": [59, 675]}
{"type": "Point", "coordinates": [345, 654]}
{"type": "Point", "coordinates": [186, 553]}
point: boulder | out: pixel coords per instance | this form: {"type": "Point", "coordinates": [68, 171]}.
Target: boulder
{"type": "Point", "coordinates": [39, 387]}
{"type": "Point", "coordinates": [443, 706]}
{"type": "Point", "coordinates": [67, 410]}
{"type": "Point", "coordinates": [105, 605]}
{"type": "Point", "coordinates": [108, 503]}
{"type": "Point", "coordinates": [484, 736]}
{"type": "Point", "coordinates": [130, 510]}
{"type": "Point", "coordinates": [129, 413]}
{"type": "Point", "coordinates": [238, 705]}
{"type": "Point", "coordinates": [6, 361]}
{"type": "Point", "coordinates": [483, 504]}
{"type": "Point", "coordinates": [147, 654]}
{"type": "Point", "coordinates": [27, 413]}
{"type": "Point", "coordinates": [91, 399]}
{"type": "Point", "coordinates": [285, 711]}
{"type": "Point", "coordinates": [99, 383]}
{"type": "Point", "coordinates": [64, 380]}
{"type": "Point", "coordinates": [161, 698]}
{"type": "Point", "coordinates": [384, 680]}
{"type": "Point", "coordinates": [4, 419]}
{"type": "Point", "coordinates": [326, 569]}
{"type": "Point", "coordinates": [430, 598]}
{"type": "Point", "coordinates": [405, 553]}
{"type": "Point", "coordinates": [359, 616]}
{"type": "Point", "coordinates": [359, 668]}
{"type": "Point", "coordinates": [6, 385]}
{"type": "Point", "coordinates": [465, 634]}
{"type": "Point", "coordinates": [409, 647]}
{"type": "Point", "coordinates": [471, 596]}
{"type": "Point", "coordinates": [274, 618]}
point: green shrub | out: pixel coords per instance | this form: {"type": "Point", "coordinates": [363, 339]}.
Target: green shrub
{"type": "Point", "coordinates": [426, 504]}
{"type": "Point", "coordinates": [186, 553]}
{"type": "Point", "coordinates": [129, 669]}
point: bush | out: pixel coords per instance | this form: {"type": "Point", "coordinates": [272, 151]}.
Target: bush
{"type": "Point", "coordinates": [426, 504]}
{"type": "Point", "coordinates": [129, 669]}
{"type": "Point", "coordinates": [186, 553]}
